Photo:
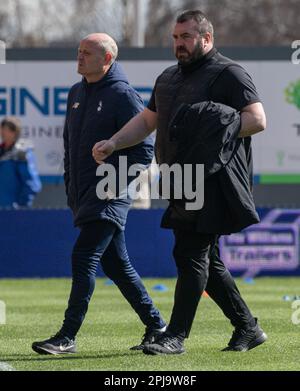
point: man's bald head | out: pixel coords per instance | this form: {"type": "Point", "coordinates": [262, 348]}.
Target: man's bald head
{"type": "Point", "coordinates": [105, 43]}
{"type": "Point", "coordinates": [96, 53]}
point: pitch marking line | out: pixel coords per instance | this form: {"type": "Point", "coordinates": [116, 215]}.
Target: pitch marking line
{"type": "Point", "coordinates": [6, 367]}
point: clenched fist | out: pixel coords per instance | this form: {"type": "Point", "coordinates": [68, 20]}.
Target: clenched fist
{"type": "Point", "coordinates": [102, 150]}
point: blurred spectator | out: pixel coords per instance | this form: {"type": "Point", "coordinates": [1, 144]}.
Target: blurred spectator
{"type": "Point", "coordinates": [19, 180]}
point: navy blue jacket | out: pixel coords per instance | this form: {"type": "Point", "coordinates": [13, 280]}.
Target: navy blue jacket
{"type": "Point", "coordinates": [96, 111]}
{"type": "Point", "coordinates": [19, 179]}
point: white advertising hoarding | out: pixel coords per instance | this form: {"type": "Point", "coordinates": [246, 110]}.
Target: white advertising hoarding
{"type": "Point", "coordinates": [36, 92]}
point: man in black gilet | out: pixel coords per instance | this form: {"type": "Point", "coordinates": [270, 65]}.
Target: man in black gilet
{"type": "Point", "coordinates": [202, 74]}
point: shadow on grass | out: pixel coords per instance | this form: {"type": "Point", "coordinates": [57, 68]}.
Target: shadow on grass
{"type": "Point", "coordinates": [29, 357]}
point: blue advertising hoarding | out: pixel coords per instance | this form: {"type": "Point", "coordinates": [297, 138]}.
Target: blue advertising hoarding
{"type": "Point", "coordinates": [38, 243]}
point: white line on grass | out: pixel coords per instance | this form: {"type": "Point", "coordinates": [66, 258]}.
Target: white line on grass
{"type": "Point", "coordinates": [6, 367]}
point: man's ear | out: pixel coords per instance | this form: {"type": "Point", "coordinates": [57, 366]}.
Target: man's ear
{"type": "Point", "coordinates": [207, 38]}
{"type": "Point", "coordinates": [107, 58]}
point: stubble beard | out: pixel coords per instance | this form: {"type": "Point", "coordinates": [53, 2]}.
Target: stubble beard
{"type": "Point", "coordinates": [196, 55]}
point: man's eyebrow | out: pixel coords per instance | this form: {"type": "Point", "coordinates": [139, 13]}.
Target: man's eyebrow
{"type": "Point", "coordinates": [182, 34]}
{"type": "Point", "coordinates": [84, 50]}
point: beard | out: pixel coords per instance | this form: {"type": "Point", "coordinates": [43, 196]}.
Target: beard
{"type": "Point", "coordinates": [185, 57]}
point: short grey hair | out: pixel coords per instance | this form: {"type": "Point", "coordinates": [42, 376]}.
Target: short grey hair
{"type": "Point", "coordinates": [109, 46]}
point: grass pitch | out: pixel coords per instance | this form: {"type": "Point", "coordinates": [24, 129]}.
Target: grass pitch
{"type": "Point", "coordinates": [35, 310]}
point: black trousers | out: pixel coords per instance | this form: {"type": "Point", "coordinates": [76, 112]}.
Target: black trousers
{"type": "Point", "coordinates": [200, 268]}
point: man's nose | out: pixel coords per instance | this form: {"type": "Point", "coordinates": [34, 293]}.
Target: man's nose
{"type": "Point", "coordinates": [179, 42]}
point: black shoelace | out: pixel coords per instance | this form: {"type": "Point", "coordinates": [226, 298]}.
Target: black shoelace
{"type": "Point", "coordinates": [241, 336]}
{"type": "Point", "coordinates": [169, 340]}
{"type": "Point", "coordinates": [62, 338]}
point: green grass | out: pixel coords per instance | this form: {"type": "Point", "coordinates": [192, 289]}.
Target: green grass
{"type": "Point", "coordinates": [35, 310]}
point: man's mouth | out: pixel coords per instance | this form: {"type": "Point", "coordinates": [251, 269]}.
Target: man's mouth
{"type": "Point", "coordinates": [182, 51]}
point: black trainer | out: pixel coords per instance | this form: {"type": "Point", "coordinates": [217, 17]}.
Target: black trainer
{"type": "Point", "coordinates": [150, 336]}
{"type": "Point", "coordinates": [246, 339]}
{"type": "Point", "coordinates": [58, 344]}
{"type": "Point", "coordinates": [166, 344]}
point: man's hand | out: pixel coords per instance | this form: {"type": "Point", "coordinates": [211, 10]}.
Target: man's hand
{"type": "Point", "coordinates": [134, 132]}
{"type": "Point", "coordinates": [102, 150]}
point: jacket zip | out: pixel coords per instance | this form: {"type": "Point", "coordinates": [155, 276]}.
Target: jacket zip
{"type": "Point", "coordinates": [86, 97]}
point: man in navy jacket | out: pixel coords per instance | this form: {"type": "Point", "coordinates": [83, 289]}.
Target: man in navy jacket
{"type": "Point", "coordinates": [98, 107]}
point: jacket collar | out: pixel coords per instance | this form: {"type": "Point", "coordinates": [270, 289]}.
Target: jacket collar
{"type": "Point", "coordinates": [99, 82]}
{"type": "Point", "coordinates": [115, 74]}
